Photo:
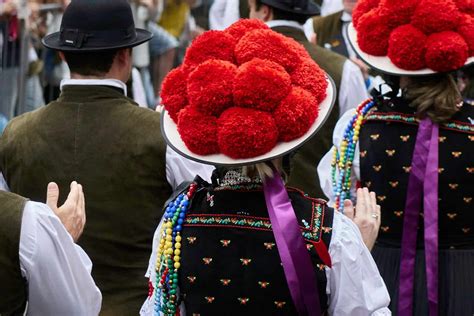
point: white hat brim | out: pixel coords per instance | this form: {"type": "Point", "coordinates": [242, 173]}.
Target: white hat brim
{"type": "Point", "coordinates": [383, 63]}
{"type": "Point", "coordinates": [173, 139]}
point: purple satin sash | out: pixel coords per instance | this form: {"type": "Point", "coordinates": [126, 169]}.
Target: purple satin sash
{"type": "Point", "coordinates": [297, 265]}
{"type": "Point", "coordinates": [423, 182]}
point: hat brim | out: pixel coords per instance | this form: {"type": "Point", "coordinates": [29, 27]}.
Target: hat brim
{"type": "Point", "coordinates": [312, 9]}
{"type": "Point", "coordinates": [383, 63]}
{"type": "Point", "coordinates": [173, 139]}
{"type": "Point", "coordinates": [52, 41]}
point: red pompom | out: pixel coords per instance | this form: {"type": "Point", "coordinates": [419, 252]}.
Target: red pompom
{"type": "Point", "coordinates": [434, 16]}
{"type": "Point", "coordinates": [446, 51]}
{"type": "Point", "coordinates": [198, 131]}
{"type": "Point", "coordinates": [267, 44]}
{"type": "Point", "coordinates": [407, 47]}
{"type": "Point", "coordinates": [466, 30]}
{"type": "Point", "coordinates": [466, 6]}
{"type": "Point", "coordinates": [396, 12]}
{"type": "Point", "coordinates": [174, 92]}
{"type": "Point", "coordinates": [261, 84]}
{"type": "Point", "coordinates": [311, 78]}
{"type": "Point", "coordinates": [246, 133]}
{"type": "Point", "coordinates": [295, 115]}
{"type": "Point", "coordinates": [210, 45]}
{"type": "Point", "coordinates": [373, 33]}
{"type": "Point", "coordinates": [243, 26]}
{"type": "Point", "coordinates": [361, 8]}
{"type": "Point", "coordinates": [210, 86]}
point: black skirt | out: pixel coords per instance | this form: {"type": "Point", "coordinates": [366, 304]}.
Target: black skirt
{"type": "Point", "coordinates": [456, 280]}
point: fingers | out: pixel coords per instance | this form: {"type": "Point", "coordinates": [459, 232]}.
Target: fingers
{"type": "Point", "coordinates": [52, 196]}
{"type": "Point", "coordinates": [73, 196]}
{"type": "Point", "coordinates": [349, 209]}
{"type": "Point", "coordinates": [361, 202]}
{"type": "Point", "coordinates": [81, 209]}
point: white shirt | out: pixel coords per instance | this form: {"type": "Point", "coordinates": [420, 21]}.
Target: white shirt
{"type": "Point", "coordinates": [331, 6]}
{"type": "Point", "coordinates": [223, 13]}
{"type": "Point", "coordinates": [352, 90]}
{"type": "Point", "coordinates": [324, 167]}
{"type": "Point", "coordinates": [354, 285]}
{"type": "Point", "coordinates": [58, 271]}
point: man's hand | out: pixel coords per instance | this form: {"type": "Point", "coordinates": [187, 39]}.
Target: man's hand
{"type": "Point", "coordinates": [366, 215]}
{"type": "Point", "coordinates": [72, 213]}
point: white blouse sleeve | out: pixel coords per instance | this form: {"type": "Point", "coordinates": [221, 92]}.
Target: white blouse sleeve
{"type": "Point", "coordinates": [354, 284]}
{"type": "Point", "coordinates": [180, 169]}
{"type": "Point", "coordinates": [352, 91]}
{"type": "Point", "coordinates": [58, 271]}
{"type": "Point", "coordinates": [324, 166]}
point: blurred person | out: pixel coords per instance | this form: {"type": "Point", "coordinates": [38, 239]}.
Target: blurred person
{"type": "Point", "coordinates": [44, 271]}
{"type": "Point", "coordinates": [95, 134]}
{"type": "Point", "coordinates": [414, 147]}
{"type": "Point", "coordinates": [246, 244]}
{"type": "Point", "coordinates": [288, 20]}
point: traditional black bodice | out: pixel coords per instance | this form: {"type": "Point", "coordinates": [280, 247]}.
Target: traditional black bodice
{"type": "Point", "coordinates": [387, 142]}
{"type": "Point", "coordinates": [230, 261]}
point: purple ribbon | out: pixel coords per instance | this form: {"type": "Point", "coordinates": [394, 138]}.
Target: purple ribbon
{"type": "Point", "coordinates": [423, 182]}
{"type": "Point", "coordinates": [297, 265]}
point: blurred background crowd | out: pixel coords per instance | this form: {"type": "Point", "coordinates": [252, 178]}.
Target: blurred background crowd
{"type": "Point", "coordinates": [30, 74]}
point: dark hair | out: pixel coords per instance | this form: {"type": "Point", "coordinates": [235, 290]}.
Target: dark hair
{"type": "Point", "coordinates": [90, 63]}
{"type": "Point", "coordinates": [283, 15]}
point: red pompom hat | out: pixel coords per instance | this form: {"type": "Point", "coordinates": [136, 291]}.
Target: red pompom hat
{"type": "Point", "coordinates": [413, 37]}
{"type": "Point", "coordinates": [244, 95]}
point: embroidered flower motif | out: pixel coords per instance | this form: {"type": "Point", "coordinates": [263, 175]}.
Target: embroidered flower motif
{"type": "Point", "coordinates": [210, 299]}
{"type": "Point", "coordinates": [263, 284]}
{"type": "Point", "coordinates": [467, 200]}
{"type": "Point", "coordinates": [210, 199]}
{"type": "Point", "coordinates": [375, 136]}
{"type": "Point", "coordinates": [279, 304]}
{"type": "Point", "coordinates": [207, 261]}
{"type": "Point", "coordinates": [225, 243]}
{"type": "Point", "coordinates": [191, 240]}
{"type": "Point", "coordinates": [440, 170]}
{"type": "Point", "coordinates": [442, 139]}
{"type": "Point", "coordinates": [377, 168]}
{"type": "Point", "coordinates": [393, 184]}
{"type": "Point", "coordinates": [385, 228]}
{"type": "Point", "coordinates": [398, 213]}
{"type": "Point", "coordinates": [191, 279]}
{"type": "Point", "coordinates": [470, 170]}
{"type": "Point", "coordinates": [381, 198]}
{"type": "Point", "coordinates": [466, 230]}
{"type": "Point", "coordinates": [321, 266]}
{"type": "Point", "coordinates": [390, 153]}
{"type": "Point", "coordinates": [245, 262]}
{"type": "Point", "coordinates": [471, 138]}
{"type": "Point", "coordinates": [309, 246]}
{"type": "Point", "coordinates": [368, 184]}
{"type": "Point", "coordinates": [453, 186]}
{"type": "Point", "coordinates": [405, 138]}
{"type": "Point", "coordinates": [407, 169]}
{"type": "Point", "coordinates": [269, 245]}
{"type": "Point", "coordinates": [456, 154]}
{"type": "Point", "coordinates": [327, 230]}
{"type": "Point", "coordinates": [363, 153]}
{"type": "Point", "coordinates": [243, 300]}
{"type": "Point", "coordinates": [225, 282]}
{"type": "Point", "coordinates": [452, 215]}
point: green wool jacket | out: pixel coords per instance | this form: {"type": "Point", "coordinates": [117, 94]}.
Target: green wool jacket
{"type": "Point", "coordinates": [327, 27]}
{"type": "Point", "coordinates": [13, 290]}
{"type": "Point", "coordinates": [303, 164]}
{"type": "Point", "coordinates": [102, 139]}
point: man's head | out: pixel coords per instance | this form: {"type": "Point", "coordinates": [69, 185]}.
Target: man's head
{"type": "Point", "coordinates": [349, 5]}
{"type": "Point", "coordinates": [266, 10]}
{"type": "Point", "coordinates": [96, 38]}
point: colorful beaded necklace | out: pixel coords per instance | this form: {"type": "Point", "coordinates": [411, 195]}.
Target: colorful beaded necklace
{"type": "Point", "coordinates": [342, 159]}
{"type": "Point", "coordinates": [169, 251]}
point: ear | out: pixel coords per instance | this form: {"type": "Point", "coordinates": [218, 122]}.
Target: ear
{"type": "Point", "coordinates": [123, 56]}
{"type": "Point", "coordinates": [267, 13]}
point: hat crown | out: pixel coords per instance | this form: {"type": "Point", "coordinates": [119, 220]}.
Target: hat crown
{"type": "Point", "coordinates": [305, 7]}
{"type": "Point", "coordinates": [94, 15]}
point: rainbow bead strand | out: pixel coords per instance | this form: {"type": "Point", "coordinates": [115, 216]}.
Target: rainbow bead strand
{"type": "Point", "coordinates": [343, 158]}
{"type": "Point", "coordinates": [168, 260]}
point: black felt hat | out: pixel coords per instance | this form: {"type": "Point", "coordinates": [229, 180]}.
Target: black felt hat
{"type": "Point", "coordinates": [96, 25]}
{"type": "Point", "coordinates": [302, 7]}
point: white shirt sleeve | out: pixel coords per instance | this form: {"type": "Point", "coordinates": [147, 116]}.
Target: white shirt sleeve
{"type": "Point", "coordinates": [354, 285]}
{"type": "Point", "coordinates": [180, 169]}
{"type": "Point", "coordinates": [223, 13]}
{"type": "Point", "coordinates": [58, 271]}
{"type": "Point", "coordinates": [352, 91]}
{"type": "Point", "coordinates": [324, 166]}
{"type": "Point", "coordinates": [3, 184]}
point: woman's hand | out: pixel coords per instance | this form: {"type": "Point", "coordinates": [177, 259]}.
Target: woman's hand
{"type": "Point", "coordinates": [366, 215]}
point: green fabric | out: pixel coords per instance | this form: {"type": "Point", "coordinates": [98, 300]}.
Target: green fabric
{"type": "Point", "coordinates": [102, 139]}
{"type": "Point", "coordinates": [327, 27]}
{"type": "Point", "coordinates": [303, 164]}
{"type": "Point", "coordinates": [244, 9]}
{"type": "Point", "coordinates": [13, 290]}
